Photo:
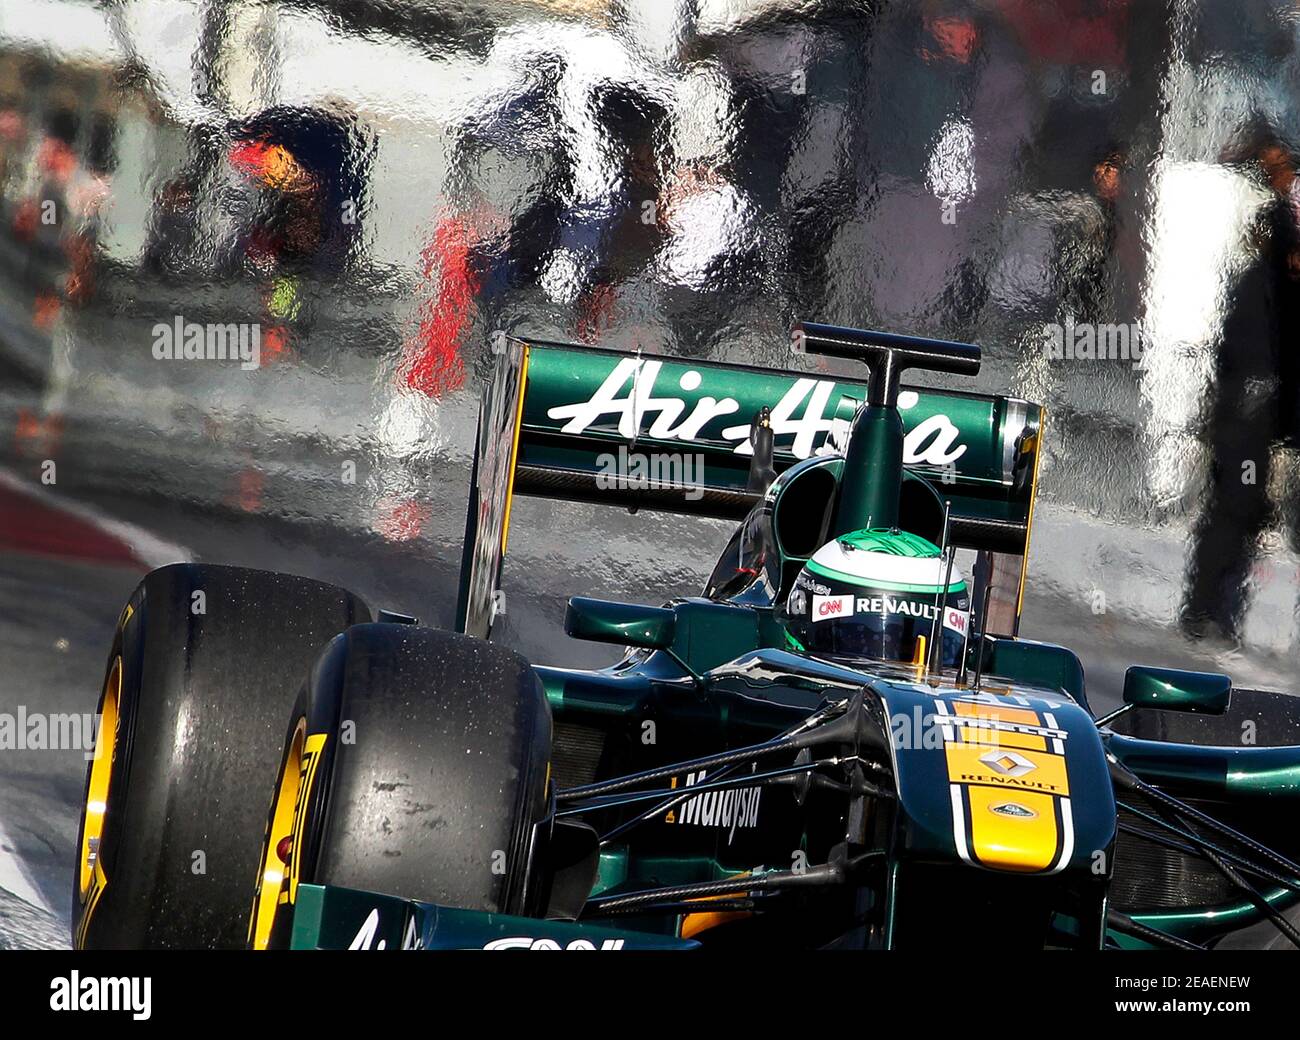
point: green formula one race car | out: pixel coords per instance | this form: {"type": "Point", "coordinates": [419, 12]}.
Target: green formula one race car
{"type": "Point", "coordinates": [840, 743]}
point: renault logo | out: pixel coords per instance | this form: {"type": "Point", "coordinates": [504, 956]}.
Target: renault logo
{"type": "Point", "coordinates": [1008, 763]}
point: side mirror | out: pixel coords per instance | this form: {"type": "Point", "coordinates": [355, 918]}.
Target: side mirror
{"type": "Point", "coordinates": [1172, 689]}
{"type": "Point", "coordinates": [625, 624]}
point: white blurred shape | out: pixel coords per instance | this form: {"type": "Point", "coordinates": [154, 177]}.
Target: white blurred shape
{"type": "Point", "coordinates": [1199, 248]}
{"type": "Point", "coordinates": [950, 173]}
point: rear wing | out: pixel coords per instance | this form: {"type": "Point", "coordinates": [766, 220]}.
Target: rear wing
{"type": "Point", "coordinates": [581, 423]}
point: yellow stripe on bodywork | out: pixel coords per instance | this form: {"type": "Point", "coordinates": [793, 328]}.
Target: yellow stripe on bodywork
{"type": "Point", "coordinates": [1033, 498]}
{"type": "Point", "coordinates": [997, 712]}
{"type": "Point", "coordinates": [1009, 790]}
{"type": "Point", "coordinates": [979, 764]}
{"type": "Point", "coordinates": [1012, 842]}
{"type": "Point", "coordinates": [1003, 737]}
{"type": "Point", "coordinates": [514, 451]}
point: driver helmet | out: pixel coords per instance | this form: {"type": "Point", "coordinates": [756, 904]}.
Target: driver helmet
{"type": "Point", "coordinates": [872, 595]}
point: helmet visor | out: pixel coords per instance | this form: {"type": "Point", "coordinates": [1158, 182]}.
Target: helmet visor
{"type": "Point", "coordinates": [884, 625]}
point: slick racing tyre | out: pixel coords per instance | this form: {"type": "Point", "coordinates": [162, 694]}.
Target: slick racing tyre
{"type": "Point", "coordinates": [416, 764]}
{"type": "Point", "coordinates": [205, 663]}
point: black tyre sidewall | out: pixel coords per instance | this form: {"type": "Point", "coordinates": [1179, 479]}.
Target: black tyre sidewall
{"type": "Point", "coordinates": [224, 681]}
{"type": "Point", "coordinates": [432, 714]}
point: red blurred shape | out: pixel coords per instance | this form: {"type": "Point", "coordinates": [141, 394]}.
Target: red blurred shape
{"type": "Point", "coordinates": [596, 316]}
{"type": "Point", "coordinates": [1072, 32]}
{"type": "Point", "coordinates": [401, 520]}
{"type": "Point", "coordinates": [34, 435]}
{"type": "Point", "coordinates": [249, 157]}
{"type": "Point", "coordinates": [432, 363]}
{"type": "Point", "coordinates": [45, 309]}
{"type": "Point", "coordinates": [30, 525]}
{"type": "Point", "coordinates": [248, 495]}
{"type": "Point", "coordinates": [26, 216]}
{"type": "Point", "coordinates": [275, 344]}
{"type": "Point", "coordinates": [955, 35]}
{"type": "Point", "coordinates": [56, 159]}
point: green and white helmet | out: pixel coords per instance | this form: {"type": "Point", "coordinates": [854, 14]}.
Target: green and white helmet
{"type": "Point", "coordinates": [872, 595]}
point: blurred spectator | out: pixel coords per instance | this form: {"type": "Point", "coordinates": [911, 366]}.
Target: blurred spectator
{"type": "Point", "coordinates": [305, 170]}
{"type": "Point", "coordinates": [1255, 410]}
{"type": "Point", "coordinates": [607, 241]}
{"type": "Point", "coordinates": [172, 233]}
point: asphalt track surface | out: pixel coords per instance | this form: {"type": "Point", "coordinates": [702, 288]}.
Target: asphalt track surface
{"type": "Point", "coordinates": [70, 556]}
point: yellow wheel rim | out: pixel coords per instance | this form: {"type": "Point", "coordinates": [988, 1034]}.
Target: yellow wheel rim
{"type": "Point", "coordinates": [274, 869]}
{"type": "Point", "coordinates": [101, 775]}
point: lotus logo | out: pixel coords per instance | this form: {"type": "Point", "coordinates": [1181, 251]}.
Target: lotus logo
{"type": "Point", "coordinates": [1014, 809]}
{"type": "Point", "coordinates": [1008, 763]}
